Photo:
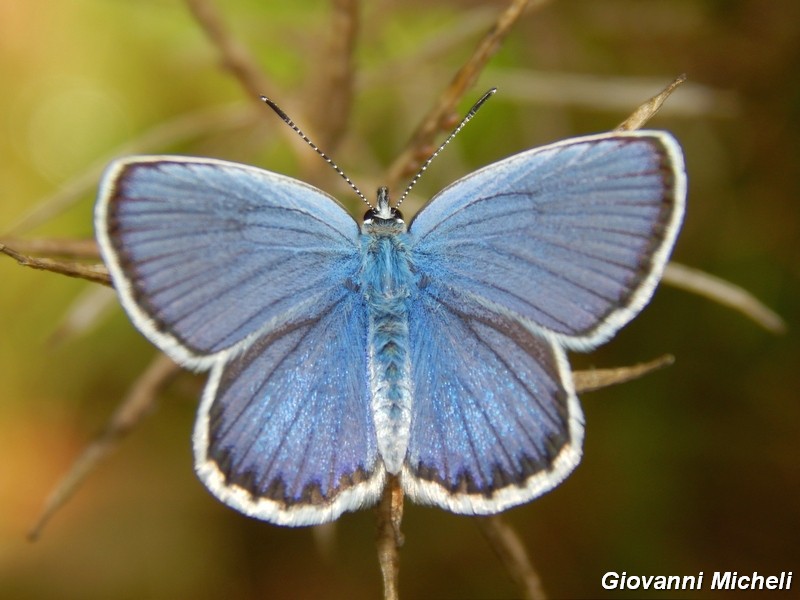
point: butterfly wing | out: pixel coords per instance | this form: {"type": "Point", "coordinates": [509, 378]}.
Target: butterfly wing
{"type": "Point", "coordinates": [555, 247]}
{"type": "Point", "coordinates": [496, 421]}
{"type": "Point", "coordinates": [570, 238]}
{"type": "Point", "coordinates": [284, 432]}
{"type": "Point", "coordinates": [206, 254]}
{"type": "Point", "coordinates": [251, 274]}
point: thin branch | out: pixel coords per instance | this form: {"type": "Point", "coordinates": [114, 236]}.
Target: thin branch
{"type": "Point", "coordinates": [83, 313]}
{"type": "Point", "coordinates": [325, 539]}
{"type": "Point", "coordinates": [509, 548]}
{"type": "Point", "coordinates": [723, 292]}
{"type": "Point", "coordinates": [95, 273]}
{"type": "Point", "coordinates": [236, 59]}
{"type": "Point", "coordinates": [435, 49]}
{"type": "Point", "coordinates": [606, 93]}
{"type": "Point", "coordinates": [466, 76]}
{"type": "Point", "coordinates": [137, 403]}
{"type": "Point", "coordinates": [61, 247]}
{"type": "Point", "coordinates": [390, 538]}
{"type": "Point", "coordinates": [332, 98]}
{"type": "Point", "coordinates": [647, 111]}
{"type": "Point", "coordinates": [595, 379]}
{"type": "Point", "coordinates": [240, 63]}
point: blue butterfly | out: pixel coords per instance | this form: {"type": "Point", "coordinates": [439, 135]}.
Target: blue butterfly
{"type": "Point", "coordinates": [433, 351]}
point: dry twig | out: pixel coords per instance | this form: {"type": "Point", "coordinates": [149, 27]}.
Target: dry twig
{"type": "Point", "coordinates": [390, 538]}
{"type": "Point", "coordinates": [63, 247]}
{"type": "Point", "coordinates": [610, 93]}
{"type": "Point", "coordinates": [509, 548]}
{"type": "Point", "coordinates": [137, 403]}
{"type": "Point", "coordinates": [647, 111]}
{"type": "Point", "coordinates": [333, 96]}
{"type": "Point", "coordinates": [88, 308]}
{"type": "Point", "coordinates": [96, 273]}
{"type": "Point", "coordinates": [595, 379]}
{"type": "Point", "coordinates": [723, 292]}
{"type": "Point", "coordinates": [236, 59]}
{"type": "Point", "coordinates": [432, 123]}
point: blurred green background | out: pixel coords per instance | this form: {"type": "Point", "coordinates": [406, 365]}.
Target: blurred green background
{"type": "Point", "coordinates": [693, 468]}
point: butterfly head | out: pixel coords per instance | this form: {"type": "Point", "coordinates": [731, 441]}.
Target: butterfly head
{"type": "Point", "coordinates": [383, 215]}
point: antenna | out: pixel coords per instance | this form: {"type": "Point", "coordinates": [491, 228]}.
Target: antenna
{"type": "Point", "coordinates": [316, 149]}
{"type": "Point", "coordinates": [450, 137]}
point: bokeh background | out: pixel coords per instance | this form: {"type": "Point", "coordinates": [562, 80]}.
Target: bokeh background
{"type": "Point", "coordinates": [693, 468]}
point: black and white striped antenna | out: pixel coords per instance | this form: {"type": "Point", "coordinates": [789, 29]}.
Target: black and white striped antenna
{"type": "Point", "coordinates": [421, 170]}
{"type": "Point", "coordinates": [316, 149]}
{"type": "Point", "coordinates": [449, 139]}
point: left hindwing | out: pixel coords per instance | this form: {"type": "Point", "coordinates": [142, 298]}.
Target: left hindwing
{"type": "Point", "coordinates": [284, 432]}
{"type": "Point", "coordinates": [570, 238]}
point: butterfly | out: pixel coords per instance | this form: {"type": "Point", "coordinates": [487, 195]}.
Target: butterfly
{"type": "Point", "coordinates": [434, 351]}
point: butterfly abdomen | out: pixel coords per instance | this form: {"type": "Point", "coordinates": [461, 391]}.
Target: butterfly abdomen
{"type": "Point", "coordinates": [386, 279]}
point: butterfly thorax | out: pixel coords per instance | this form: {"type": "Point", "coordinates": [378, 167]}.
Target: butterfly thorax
{"type": "Point", "coordinates": [386, 282]}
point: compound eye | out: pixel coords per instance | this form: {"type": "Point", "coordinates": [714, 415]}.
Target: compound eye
{"type": "Point", "coordinates": [373, 215]}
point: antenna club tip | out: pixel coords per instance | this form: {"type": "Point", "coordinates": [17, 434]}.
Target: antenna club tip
{"type": "Point", "coordinates": [277, 110]}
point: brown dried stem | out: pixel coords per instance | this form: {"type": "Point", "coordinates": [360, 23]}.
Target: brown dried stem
{"type": "Point", "coordinates": [236, 59]}
{"type": "Point", "coordinates": [432, 123]}
{"type": "Point", "coordinates": [595, 379]}
{"type": "Point", "coordinates": [95, 273]}
{"type": "Point", "coordinates": [136, 404]}
{"type": "Point", "coordinates": [332, 99]}
{"type": "Point", "coordinates": [390, 538]}
{"type": "Point", "coordinates": [509, 548]}
{"type": "Point", "coordinates": [610, 93]}
{"type": "Point", "coordinates": [86, 310]}
{"type": "Point", "coordinates": [647, 110]}
{"type": "Point", "coordinates": [62, 247]}
{"type": "Point", "coordinates": [240, 63]}
{"type": "Point", "coordinates": [723, 292]}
